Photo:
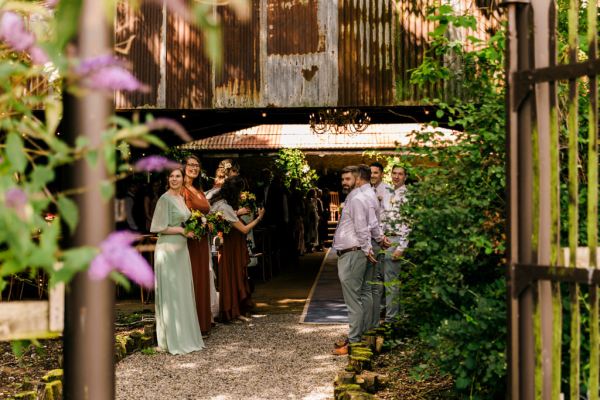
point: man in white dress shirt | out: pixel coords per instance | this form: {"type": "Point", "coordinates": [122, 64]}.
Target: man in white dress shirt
{"type": "Point", "coordinates": [396, 229]}
{"type": "Point", "coordinates": [352, 242]}
{"type": "Point", "coordinates": [383, 192]}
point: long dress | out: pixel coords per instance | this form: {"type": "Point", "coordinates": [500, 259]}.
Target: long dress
{"type": "Point", "coordinates": [234, 289]}
{"type": "Point", "coordinates": [177, 328]}
{"type": "Point", "coordinates": [199, 254]}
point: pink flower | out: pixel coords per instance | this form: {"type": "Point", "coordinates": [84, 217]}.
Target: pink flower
{"type": "Point", "coordinates": [51, 3]}
{"type": "Point", "coordinates": [13, 32]}
{"type": "Point", "coordinates": [114, 78]}
{"type": "Point", "coordinates": [155, 163]}
{"type": "Point", "coordinates": [15, 198]}
{"type": "Point", "coordinates": [38, 56]}
{"type": "Point", "coordinates": [116, 253]}
{"type": "Point", "coordinates": [170, 124]}
{"type": "Point", "coordinates": [107, 72]}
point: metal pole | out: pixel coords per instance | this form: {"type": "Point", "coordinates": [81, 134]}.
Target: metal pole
{"type": "Point", "coordinates": [89, 311]}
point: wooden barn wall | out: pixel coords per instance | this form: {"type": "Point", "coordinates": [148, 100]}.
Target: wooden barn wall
{"type": "Point", "coordinates": [290, 53]}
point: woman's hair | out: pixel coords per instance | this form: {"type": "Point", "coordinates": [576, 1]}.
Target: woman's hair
{"type": "Point", "coordinates": [196, 182]}
{"type": "Point", "coordinates": [170, 171]}
{"type": "Point", "coordinates": [230, 191]}
{"type": "Point", "coordinates": [225, 168]}
{"type": "Point", "coordinates": [311, 194]}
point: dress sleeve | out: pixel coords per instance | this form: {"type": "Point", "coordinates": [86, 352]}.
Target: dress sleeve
{"type": "Point", "coordinates": [230, 214]}
{"type": "Point", "coordinates": [160, 219]}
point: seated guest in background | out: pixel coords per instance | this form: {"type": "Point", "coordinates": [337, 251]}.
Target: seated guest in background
{"type": "Point", "coordinates": [198, 247]}
{"type": "Point", "coordinates": [233, 285]}
{"type": "Point", "coordinates": [177, 328]}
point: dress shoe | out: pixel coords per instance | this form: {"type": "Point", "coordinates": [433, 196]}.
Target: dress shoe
{"type": "Point", "coordinates": [341, 351]}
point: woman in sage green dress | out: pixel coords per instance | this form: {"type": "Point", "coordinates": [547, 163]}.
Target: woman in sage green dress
{"type": "Point", "coordinates": [177, 329]}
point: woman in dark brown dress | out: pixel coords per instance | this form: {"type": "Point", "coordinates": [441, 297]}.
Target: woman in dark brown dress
{"type": "Point", "coordinates": [234, 290]}
{"type": "Point", "coordinates": [198, 247]}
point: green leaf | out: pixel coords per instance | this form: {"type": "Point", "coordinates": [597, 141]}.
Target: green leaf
{"type": "Point", "coordinates": [53, 112]}
{"type": "Point", "coordinates": [110, 158]}
{"type": "Point", "coordinates": [41, 176]}
{"type": "Point", "coordinates": [462, 382]}
{"type": "Point", "coordinates": [67, 17]}
{"type": "Point", "coordinates": [107, 190]}
{"type": "Point", "coordinates": [92, 158]}
{"type": "Point", "coordinates": [19, 347]}
{"type": "Point", "coordinates": [439, 113]}
{"type": "Point", "coordinates": [74, 261]}
{"type": "Point", "coordinates": [69, 212]}
{"type": "Point", "coordinates": [120, 280]}
{"type": "Point", "coordinates": [15, 152]}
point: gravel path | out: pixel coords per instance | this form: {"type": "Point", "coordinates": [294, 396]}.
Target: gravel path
{"type": "Point", "coordinates": [270, 357]}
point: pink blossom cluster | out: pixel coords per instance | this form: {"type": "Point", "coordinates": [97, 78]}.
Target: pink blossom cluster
{"type": "Point", "coordinates": [14, 33]}
{"type": "Point", "coordinates": [107, 72]}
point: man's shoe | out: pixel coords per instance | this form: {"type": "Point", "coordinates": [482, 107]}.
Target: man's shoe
{"type": "Point", "coordinates": [341, 343]}
{"type": "Point", "coordinates": [342, 351]}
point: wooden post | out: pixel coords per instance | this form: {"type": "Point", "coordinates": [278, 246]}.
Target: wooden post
{"type": "Point", "coordinates": [89, 317]}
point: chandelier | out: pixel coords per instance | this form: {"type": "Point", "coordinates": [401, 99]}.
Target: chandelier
{"type": "Point", "coordinates": [348, 121]}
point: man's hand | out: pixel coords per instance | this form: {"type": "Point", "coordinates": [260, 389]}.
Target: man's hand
{"type": "Point", "coordinates": [371, 258]}
{"type": "Point", "coordinates": [385, 242]}
{"type": "Point", "coordinates": [397, 254]}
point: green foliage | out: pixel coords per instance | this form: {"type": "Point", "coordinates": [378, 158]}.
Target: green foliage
{"type": "Point", "coordinates": [292, 165]}
{"type": "Point", "coordinates": [453, 289]}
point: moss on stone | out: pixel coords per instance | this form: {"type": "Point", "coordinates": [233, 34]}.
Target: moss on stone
{"type": "Point", "coordinates": [53, 375]}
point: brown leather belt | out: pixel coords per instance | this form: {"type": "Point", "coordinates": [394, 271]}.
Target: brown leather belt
{"type": "Point", "coordinates": [340, 252]}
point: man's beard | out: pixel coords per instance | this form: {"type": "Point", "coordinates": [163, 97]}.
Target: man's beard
{"type": "Point", "coordinates": [346, 189]}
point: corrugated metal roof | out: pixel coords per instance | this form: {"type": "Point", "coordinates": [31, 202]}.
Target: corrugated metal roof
{"type": "Point", "coordinates": [273, 137]}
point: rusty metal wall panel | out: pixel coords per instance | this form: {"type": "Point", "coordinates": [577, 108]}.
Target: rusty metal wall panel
{"type": "Point", "coordinates": [237, 83]}
{"type": "Point", "coordinates": [291, 78]}
{"type": "Point", "coordinates": [366, 52]}
{"type": "Point", "coordinates": [188, 78]}
{"type": "Point", "coordinates": [293, 27]}
{"type": "Point", "coordinates": [137, 39]}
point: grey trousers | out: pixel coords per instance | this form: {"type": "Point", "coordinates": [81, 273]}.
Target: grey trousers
{"type": "Point", "coordinates": [391, 270]}
{"type": "Point", "coordinates": [352, 268]}
{"type": "Point", "coordinates": [374, 290]}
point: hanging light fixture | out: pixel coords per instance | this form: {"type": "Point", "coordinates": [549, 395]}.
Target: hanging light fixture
{"type": "Point", "coordinates": [339, 121]}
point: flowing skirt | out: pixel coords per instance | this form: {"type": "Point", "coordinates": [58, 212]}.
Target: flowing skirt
{"type": "Point", "coordinates": [199, 254]}
{"type": "Point", "coordinates": [177, 328]}
{"type": "Point", "coordinates": [234, 289]}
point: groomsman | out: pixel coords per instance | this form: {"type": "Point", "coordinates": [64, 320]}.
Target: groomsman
{"type": "Point", "coordinates": [382, 192]}
{"type": "Point", "coordinates": [397, 230]}
{"type": "Point", "coordinates": [352, 243]}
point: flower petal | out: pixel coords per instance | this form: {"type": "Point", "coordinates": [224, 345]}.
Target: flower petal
{"type": "Point", "coordinates": [13, 32]}
{"type": "Point", "coordinates": [135, 267]}
{"type": "Point", "coordinates": [100, 267]}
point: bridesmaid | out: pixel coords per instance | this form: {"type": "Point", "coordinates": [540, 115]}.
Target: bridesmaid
{"type": "Point", "coordinates": [199, 249]}
{"type": "Point", "coordinates": [177, 328]}
{"type": "Point", "coordinates": [233, 285]}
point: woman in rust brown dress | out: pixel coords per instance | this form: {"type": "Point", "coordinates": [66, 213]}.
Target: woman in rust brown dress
{"type": "Point", "coordinates": [198, 248]}
{"type": "Point", "coordinates": [234, 290]}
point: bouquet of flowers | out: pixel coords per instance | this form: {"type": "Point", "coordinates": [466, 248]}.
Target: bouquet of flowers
{"type": "Point", "coordinates": [216, 222]}
{"type": "Point", "coordinates": [198, 223]}
{"type": "Point", "coordinates": [248, 200]}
